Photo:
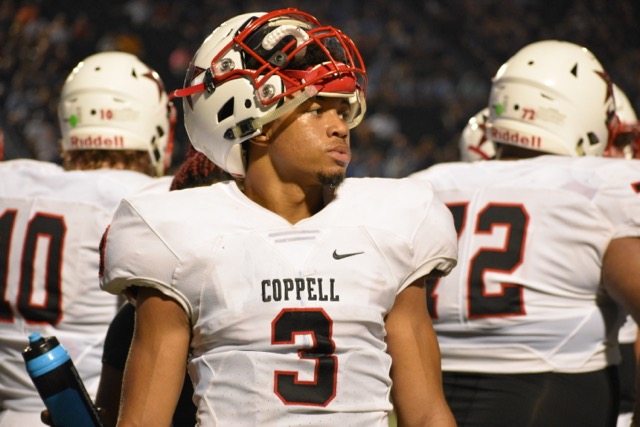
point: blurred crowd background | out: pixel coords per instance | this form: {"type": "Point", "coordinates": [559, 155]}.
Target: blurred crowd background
{"type": "Point", "coordinates": [429, 62]}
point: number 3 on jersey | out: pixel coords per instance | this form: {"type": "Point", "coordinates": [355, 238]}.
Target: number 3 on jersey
{"type": "Point", "coordinates": [480, 303]}
{"type": "Point", "coordinates": [315, 323]}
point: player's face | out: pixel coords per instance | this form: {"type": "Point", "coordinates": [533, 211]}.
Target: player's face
{"type": "Point", "coordinates": [311, 145]}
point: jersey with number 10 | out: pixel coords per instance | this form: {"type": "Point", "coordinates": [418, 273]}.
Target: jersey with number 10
{"type": "Point", "coordinates": [51, 222]}
{"type": "Point", "coordinates": [287, 320]}
{"type": "Point", "coordinates": [526, 294]}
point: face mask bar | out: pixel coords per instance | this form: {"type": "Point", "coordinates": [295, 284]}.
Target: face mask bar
{"type": "Point", "coordinates": [625, 137]}
{"type": "Point", "coordinates": [305, 33]}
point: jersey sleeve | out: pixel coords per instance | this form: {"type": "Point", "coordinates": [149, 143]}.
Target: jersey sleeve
{"type": "Point", "coordinates": [435, 245]}
{"type": "Point", "coordinates": [133, 254]}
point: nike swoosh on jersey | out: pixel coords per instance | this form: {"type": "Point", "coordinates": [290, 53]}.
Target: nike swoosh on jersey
{"type": "Point", "coordinates": [336, 255]}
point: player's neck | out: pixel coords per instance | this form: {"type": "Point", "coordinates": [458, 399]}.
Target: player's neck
{"type": "Point", "coordinates": [290, 201]}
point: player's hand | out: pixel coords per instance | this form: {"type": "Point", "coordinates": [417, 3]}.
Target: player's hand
{"type": "Point", "coordinates": [45, 417]}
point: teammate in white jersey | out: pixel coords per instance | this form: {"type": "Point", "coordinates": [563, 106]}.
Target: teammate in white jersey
{"type": "Point", "coordinates": [624, 143]}
{"type": "Point", "coordinates": [293, 289]}
{"type": "Point", "coordinates": [114, 114]}
{"type": "Point", "coordinates": [548, 250]}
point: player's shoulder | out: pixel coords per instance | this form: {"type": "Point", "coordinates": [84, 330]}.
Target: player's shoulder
{"type": "Point", "coordinates": [385, 190]}
{"type": "Point", "coordinates": [595, 172]}
{"type": "Point", "coordinates": [545, 165]}
{"type": "Point", "coordinates": [128, 179]}
{"type": "Point", "coordinates": [30, 166]}
{"type": "Point", "coordinates": [152, 193]}
{"type": "Point", "coordinates": [162, 206]}
{"type": "Point", "coordinates": [478, 174]}
{"type": "Point", "coordinates": [444, 168]}
{"type": "Point", "coordinates": [156, 185]}
{"type": "Point", "coordinates": [402, 207]}
{"type": "Point", "coordinates": [592, 163]}
{"type": "Point", "coordinates": [48, 181]}
{"type": "Point", "coordinates": [174, 219]}
{"type": "Point", "coordinates": [27, 178]}
{"type": "Point", "coordinates": [104, 187]}
{"type": "Point", "coordinates": [389, 200]}
{"type": "Point", "coordinates": [612, 168]}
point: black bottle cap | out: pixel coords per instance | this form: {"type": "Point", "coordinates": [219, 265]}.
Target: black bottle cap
{"type": "Point", "coordinates": [39, 345]}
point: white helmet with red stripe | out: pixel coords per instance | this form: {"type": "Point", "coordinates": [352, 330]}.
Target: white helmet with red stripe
{"type": "Point", "coordinates": [113, 101]}
{"type": "Point", "coordinates": [552, 96]}
{"type": "Point", "coordinates": [247, 71]}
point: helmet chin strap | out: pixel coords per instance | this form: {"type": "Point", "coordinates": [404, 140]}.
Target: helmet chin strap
{"type": "Point", "coordinates": [251, 125]}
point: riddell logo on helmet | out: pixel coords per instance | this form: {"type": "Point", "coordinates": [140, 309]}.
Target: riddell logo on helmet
{"type": "Point", "coordinates": [507, 136]}
{"type": "Point", "coordinates": [97, 142]}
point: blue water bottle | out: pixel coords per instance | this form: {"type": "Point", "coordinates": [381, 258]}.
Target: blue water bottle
{"type": "Point", "coordinates": [58, 383]}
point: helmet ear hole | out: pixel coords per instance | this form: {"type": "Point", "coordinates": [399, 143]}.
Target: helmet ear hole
{"type": "Point", "coordinates": [226, 111]}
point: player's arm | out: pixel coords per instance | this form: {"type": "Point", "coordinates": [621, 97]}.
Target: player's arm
{"type": "Point", "coordinates": [108, 397]}
{"type": "Point", "coordinates": [155, 369]}
{"type": "Point", "coordinates": [114, 358]}
{"type": "Point", "coordinates": [417, 378]}
{"type": "Point", "coordinates": [621, 278]}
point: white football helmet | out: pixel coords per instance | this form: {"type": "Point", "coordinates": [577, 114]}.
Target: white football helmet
{"type": "Point", "coordinates": [113, 101]}
{"type": "Point", "coordinates": [625, 135]}
{"type": "Point", "coordinates": [473, 142]}
{"type": "Point", "coordinates": [244, 74]}
{"type": "Point", "coordinates": [552, 96]}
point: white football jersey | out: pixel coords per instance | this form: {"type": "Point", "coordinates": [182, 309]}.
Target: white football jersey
{"type": "Point", "coordinates": [156, 185]}
{"type": "Point", "coordinates": [526, 294]}
{"type": "Point", "coordinates": [51, 223]}
{"type": "Point", "coordinates": [288, 320]}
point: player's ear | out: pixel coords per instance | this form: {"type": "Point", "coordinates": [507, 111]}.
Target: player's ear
{"type": "Point", "coordinates": [264, 138]}
{"type": "Point", "coordinates": [261, 139]}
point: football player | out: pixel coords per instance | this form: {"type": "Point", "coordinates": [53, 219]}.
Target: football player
{"type": "Point", "coordinates": [115, 120]}
{"type": "Point", "coordinates": [624, 143]}
{"type": "Point", "coordinates": [300, 301]}
{"type": "Point", "coordinates": [548, 250]}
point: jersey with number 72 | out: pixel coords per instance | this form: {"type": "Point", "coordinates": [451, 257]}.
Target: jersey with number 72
{"type": "Point", "coordinates": [526, 293]}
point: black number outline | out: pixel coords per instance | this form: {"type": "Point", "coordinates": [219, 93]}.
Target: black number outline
{"type": "Point", "coordinates": [510, 301]}
{"type": "Point", "coordinates": [41, 225]}
{"type": "Point", "coordinates": [7, 221]}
